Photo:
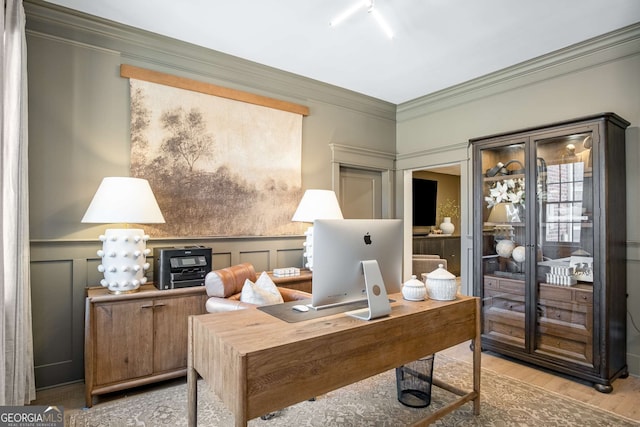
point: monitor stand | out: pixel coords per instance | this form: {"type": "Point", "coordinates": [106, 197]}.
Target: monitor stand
{"type": "Point", "coordinates": [376, 293]}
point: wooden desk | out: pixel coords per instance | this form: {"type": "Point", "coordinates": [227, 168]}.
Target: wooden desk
{"type": "Point", "coordinates": [257, 363]}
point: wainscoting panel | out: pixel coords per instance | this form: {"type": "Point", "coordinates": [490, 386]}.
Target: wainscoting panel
{"type": "Point", "coordinates": [259, 259]}
{"type": "Point", "coordinates": [289, 257]}
{"type": "Point", "coordinates": [57, 317]}
{"type": "Point", "coordinates": [62, 270]}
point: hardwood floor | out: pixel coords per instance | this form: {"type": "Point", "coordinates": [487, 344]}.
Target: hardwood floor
{"type": "Point", "coordinates": [624, 400]}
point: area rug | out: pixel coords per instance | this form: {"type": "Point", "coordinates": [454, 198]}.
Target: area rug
{"type": "Point", "coordinates": [369, 403]}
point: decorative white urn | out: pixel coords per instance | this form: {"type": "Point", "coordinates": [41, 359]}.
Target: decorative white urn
{"type": "Point", "coordinates": [441, 285]}
{"type": "Point", "coordinates": [414, 290]}
{"type": "Point", "coordinates": [447, 226]}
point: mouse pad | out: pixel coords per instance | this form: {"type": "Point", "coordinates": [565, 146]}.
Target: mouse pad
{"type": "Point", "coordinates": [286, 312]}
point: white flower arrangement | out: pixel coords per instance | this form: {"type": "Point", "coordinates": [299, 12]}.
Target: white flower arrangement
{"type": "Point", "coordinates": [506, 191]}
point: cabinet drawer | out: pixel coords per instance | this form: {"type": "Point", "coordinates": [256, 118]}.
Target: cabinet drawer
{"type": "Point", "coordinates": [565, 329]}
{"type": "Point", "coordinates": [504, 301]}
{"type": "Point", "coordinates": [583, 296]}
{"type": "Point", "coordinates": [504, 327]}
{"type": "Point", "coordinates": [562, 293]}
{"type": "Point", "coordinates": [515, 287]}
{"type": "Point", "coordinates": [566, 315]}
{"type": "Point", "coordinates": [574, 350]}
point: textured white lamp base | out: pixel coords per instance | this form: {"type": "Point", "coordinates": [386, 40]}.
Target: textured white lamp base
{"type": "Point", "coordinates": [124, 259]}
{"type": "Point", "coordinates": [308, 248]}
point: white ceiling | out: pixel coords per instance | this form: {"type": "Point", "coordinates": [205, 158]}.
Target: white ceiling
{"type": "Point", "coordinates": [437, 43]}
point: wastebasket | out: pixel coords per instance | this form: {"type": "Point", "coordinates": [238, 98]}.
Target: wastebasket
{"type": "Point", "coordinates": [413, 382]}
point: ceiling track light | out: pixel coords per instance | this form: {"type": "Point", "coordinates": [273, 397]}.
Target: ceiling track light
{"type": "Point", "coordinates": [347, 13]}
{"type": "Point", "coordinates": [381, 21]}
{"type": "Point", "coordinates": [370, 6]}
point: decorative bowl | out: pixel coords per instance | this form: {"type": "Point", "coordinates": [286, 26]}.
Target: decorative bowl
{"type": "Point", "coordinates": [414, 290]}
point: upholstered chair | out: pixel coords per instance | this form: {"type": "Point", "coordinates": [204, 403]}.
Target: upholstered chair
{"type": "Point", "coordinates": [224, 288]}
{"type": "Point", "coordinates": [426, 264]}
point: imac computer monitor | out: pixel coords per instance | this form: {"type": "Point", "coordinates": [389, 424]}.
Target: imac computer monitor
{"type": "Point", "coordinates": [339, 248]}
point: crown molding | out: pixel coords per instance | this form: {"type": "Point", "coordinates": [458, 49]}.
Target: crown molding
{"type": "Point", "coordinates": [145, 49]}
{"type": "Point", "coordinates": [590, 53]}
{"type": "Point", "coordinates": [433, 156]}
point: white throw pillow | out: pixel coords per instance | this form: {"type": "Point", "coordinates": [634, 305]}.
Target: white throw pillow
{"type": "Point", "coordinates": [263, 292]}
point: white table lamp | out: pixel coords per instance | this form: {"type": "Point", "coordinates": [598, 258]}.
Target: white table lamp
{"type": "Point", "coordinates": [316, 204]}
{"type": "Point", "coordinates": [123, 200]}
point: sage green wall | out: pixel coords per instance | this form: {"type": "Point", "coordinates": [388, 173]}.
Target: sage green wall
{"type": "Point", "coordinates": [597, 76]}
{"type": "Point", "coordinates": [79, 133]}
{"type": "Point", "coordinates": [79, 109]}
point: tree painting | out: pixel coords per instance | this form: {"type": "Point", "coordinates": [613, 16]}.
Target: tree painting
{"type": "Point", "coordinates": [187, 139]}
{"type": "Point", "coordinates": [218, 167]}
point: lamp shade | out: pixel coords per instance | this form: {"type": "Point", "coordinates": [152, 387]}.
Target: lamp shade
{"type": "Point", "coordinates": [504, 212]}
{"type": "Point", "coordinates": [317, 204]}
{"type": "Point", "coordinates": [124, 200]}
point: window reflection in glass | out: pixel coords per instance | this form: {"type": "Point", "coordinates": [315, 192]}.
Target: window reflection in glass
{"type": "Point", "coordinates": [564, 202]}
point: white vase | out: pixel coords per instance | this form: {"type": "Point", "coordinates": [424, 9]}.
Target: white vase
{"type": "Point", "coordinates": [447, 226]}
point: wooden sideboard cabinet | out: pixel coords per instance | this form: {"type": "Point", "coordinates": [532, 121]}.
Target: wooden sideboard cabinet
{"type": "Point", "coordinates": [136, 339]}
{"type": "Point", "coordinates": [301, 282]}
{"type": "Point", "coordinates": [140, 338]}
{"type": "Point", "coordinates": [447, 246]}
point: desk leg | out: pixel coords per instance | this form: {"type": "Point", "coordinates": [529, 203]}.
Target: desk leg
{"type": "Point", "coordinates": [477, 351]}
{"type": "Point", "coordinates": [240, 412]}
{"type": "Point", "coordinates": [192, 381]}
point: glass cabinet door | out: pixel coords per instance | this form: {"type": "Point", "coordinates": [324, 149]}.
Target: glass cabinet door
{"type": "Point", "coordinates": [549, 245]}
{"type": "Point", "coordinates": [564, 244]}
{"type": "Point", "coordinates": [503, 217]}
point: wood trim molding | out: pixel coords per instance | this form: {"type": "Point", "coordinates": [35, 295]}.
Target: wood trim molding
{"type": "Point", "coordinates": [359, 156]}
{"type": "Point", "coordinates": [138, 73]}
{"type": "Point", "coordinates": [433, 156]}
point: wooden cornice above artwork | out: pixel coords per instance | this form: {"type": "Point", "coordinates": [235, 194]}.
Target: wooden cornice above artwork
{"type": "Point", "coordinates": [133, 72]}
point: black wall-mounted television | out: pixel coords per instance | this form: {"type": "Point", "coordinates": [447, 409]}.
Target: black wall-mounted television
{"type": "Point", "coordinates": [424, 202]}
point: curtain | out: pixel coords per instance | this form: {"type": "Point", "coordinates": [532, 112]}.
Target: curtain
{"type": "Point", "coordinates": [17, 382]}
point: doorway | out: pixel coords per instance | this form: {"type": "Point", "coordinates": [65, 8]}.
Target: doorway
{"type": "Point", "coordinates": [428, 237]}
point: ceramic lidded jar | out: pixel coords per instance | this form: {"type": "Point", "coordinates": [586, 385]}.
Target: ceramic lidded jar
{"type": "Point", "coordinates": [441, 285]}
{"type": "Point", "coordinates": [414, 290]}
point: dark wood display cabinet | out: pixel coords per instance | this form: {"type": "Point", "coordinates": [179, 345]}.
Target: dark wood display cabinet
{"type": "Point", "coordinates": [549, 246]}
